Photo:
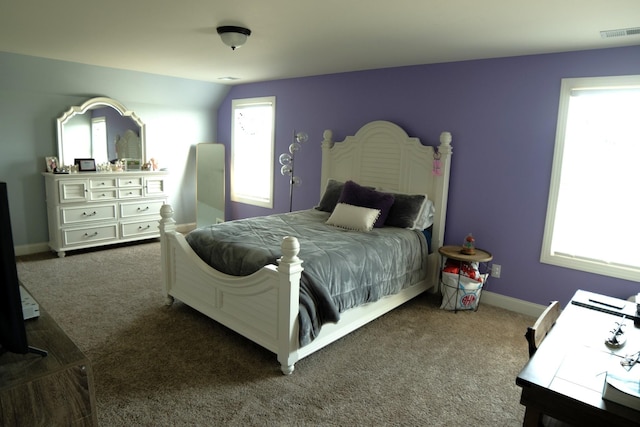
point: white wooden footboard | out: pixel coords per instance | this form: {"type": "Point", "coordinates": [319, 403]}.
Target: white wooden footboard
{"type": "Point", "coordinates": [262, 307]}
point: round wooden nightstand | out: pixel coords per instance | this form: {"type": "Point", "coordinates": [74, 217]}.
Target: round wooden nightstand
{"type": "Point", "coordinates": [455, 252]}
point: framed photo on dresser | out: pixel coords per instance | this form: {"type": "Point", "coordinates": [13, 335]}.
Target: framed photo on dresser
{"type": "Point", "coordinates": [85, 165]}
{"type": "Point", "coordinates": [52, 163]}
{"type": "Point", "coordinates": [132, 164]}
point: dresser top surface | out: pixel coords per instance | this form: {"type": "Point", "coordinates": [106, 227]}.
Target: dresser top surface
{"type": "Point", "coordinates": [88, 175]}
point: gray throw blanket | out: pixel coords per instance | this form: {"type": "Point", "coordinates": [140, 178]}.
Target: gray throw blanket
{"type": "Point", "coordinates": [342, 269]}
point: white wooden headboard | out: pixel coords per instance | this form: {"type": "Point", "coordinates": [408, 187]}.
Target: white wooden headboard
{"type": "Point", "coordinates": [382, 155]}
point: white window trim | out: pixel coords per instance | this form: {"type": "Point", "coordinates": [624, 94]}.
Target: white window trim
{"type": "Point", "coordinates": [563, 260]}
{"type": "Point", "coordinates": [247, 199]}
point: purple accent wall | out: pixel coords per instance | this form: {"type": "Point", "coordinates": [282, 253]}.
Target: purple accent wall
{"type": "Point", "coordinates": [502, 114]}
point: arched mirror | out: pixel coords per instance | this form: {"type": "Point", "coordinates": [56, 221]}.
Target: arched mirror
{"type": "Point", "coordinates": [101, 129]}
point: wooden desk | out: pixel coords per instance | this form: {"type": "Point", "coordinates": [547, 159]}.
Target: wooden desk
{"type": "Point", "coordinates": [55, 390]}
{"type": "Point", "coordinates": [565, 377]}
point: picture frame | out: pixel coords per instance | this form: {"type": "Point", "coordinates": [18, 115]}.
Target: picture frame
{"type": "Point", "coordinates": [85, 165]}
{"type": "Point", "coordinates": [132, 165]}
{"type": "Point", "coordinates": [51, 163]}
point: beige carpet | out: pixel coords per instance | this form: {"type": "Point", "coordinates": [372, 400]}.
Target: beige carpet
{"type": "Point", "coordinates": [159, 366]}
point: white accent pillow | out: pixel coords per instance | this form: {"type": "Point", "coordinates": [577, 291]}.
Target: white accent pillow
{"type": "Point", "coordinates": [353, 217]}
{"type": "Point", "coordinates": [425, 220]}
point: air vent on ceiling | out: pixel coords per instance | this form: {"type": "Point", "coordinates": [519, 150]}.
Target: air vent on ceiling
{"type": "Point", "coordinates": [620, 33]}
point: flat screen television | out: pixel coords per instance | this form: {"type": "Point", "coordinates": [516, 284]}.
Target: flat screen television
{"type": "Point", "coordinates": [13, 335]}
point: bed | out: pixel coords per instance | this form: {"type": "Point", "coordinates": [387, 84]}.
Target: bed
{"type": "Point", "coordinates": [265, 306]}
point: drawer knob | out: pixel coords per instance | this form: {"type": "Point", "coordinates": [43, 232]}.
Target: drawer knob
{"type": "Point", "coordinates": [94, 234]}
{"type": "Point", "coordinates": [143, 209]}
{"type": "Point", "coordinates": [144, 228]}
{"type": "Point", "coordinates": [89, 214]}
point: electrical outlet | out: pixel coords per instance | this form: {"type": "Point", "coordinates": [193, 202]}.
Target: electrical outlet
{"type": "Point", "coordinates": [496, 269]}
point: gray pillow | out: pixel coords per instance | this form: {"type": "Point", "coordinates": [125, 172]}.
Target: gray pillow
{"type": "Point", "coordinates": [331, 195]}
{"type": "Point", "coordinates": [405, 210]}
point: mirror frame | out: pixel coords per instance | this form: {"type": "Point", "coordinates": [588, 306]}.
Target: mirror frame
{"type": "Point", "coordinates": [97, 102]}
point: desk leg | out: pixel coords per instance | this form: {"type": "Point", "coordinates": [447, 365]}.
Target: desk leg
{"type": "Point", "coordinates": [532, 417]}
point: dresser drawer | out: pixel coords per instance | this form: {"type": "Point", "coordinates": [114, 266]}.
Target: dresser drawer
{"type": "Point", "coordinates": [102, 183]}
{"type": "Point", "coordinates": [130, 182]}
{"type": "Point", "coordinates": [128, 193]}
{"type": "Point", "coordinates": [87, 214]}
{"type": "Point", "coordinates": [97, 195]}
{"type": "Point", "coordinates": [140, 208]}
{"type": "Point", "coordinates": [89, 235]}
{"type": "Point", "coordinates": [139, 228]}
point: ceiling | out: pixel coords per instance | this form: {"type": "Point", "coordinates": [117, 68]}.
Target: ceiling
{"type": "Point", "coordinates": [295, 38]}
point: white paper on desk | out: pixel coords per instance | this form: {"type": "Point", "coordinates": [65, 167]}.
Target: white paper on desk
{"type": "Point", "coordinates": [623, 389]}
{"type": "Point", "coordinates": [585, 367]}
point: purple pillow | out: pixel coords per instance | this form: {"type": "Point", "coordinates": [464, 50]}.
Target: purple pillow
{"type": "Point", "coordinates": [357, 195]}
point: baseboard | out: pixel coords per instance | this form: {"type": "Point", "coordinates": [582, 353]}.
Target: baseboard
{"type": "Point", "coordinates": [31, 249]}
{"type": "Point", "coordinates": [185, 228]}
{"type": "Point", "coordinates": [512, 304]}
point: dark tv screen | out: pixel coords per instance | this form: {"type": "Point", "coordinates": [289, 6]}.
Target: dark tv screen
{"type": "Point", "coordinates": [13, 336]}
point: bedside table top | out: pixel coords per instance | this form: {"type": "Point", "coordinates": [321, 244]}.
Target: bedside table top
{"type": "Point", "coordinates": [455, 252]}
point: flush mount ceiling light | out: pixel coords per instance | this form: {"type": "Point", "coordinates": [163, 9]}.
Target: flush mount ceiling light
{"type": "Point", "coordinates": [234, 37]}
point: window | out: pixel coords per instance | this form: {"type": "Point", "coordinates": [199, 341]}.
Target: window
{"type": "Point", "coordinates": [99, 138]}
{"type": "Point", "coordinates": [252, 146]}
{"type": "Point", "coordinates": [593, 215]}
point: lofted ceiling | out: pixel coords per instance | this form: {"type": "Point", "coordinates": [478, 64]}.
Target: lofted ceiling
{"type": "Point", "coordinates": [295, 38]}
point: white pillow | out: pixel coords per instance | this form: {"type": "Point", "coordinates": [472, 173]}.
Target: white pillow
{"type": "Point", "coordinates": [353, 217]}
{"type": "Point", "coordinates": [425, 219]}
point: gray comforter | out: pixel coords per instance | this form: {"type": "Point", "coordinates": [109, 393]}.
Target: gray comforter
{"type": "Point", "coordinates": [342, 269]}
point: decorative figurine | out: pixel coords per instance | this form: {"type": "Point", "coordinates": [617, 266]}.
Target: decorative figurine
{"type": "Point", "coordinates": [469, 245]}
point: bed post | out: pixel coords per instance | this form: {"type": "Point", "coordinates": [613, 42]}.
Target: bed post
{"type": "Point", "coordinates": [166, 225]}
{"type": "Point", "coordinates": [289, 269]}
{"type": "Point", "coordinates": [325, 173]}
{"type": "Point", "coordinates": [441, 182]}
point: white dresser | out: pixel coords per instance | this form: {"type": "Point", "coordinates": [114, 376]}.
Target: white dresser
{"type": "Point", "coordinates": [90, 209]}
